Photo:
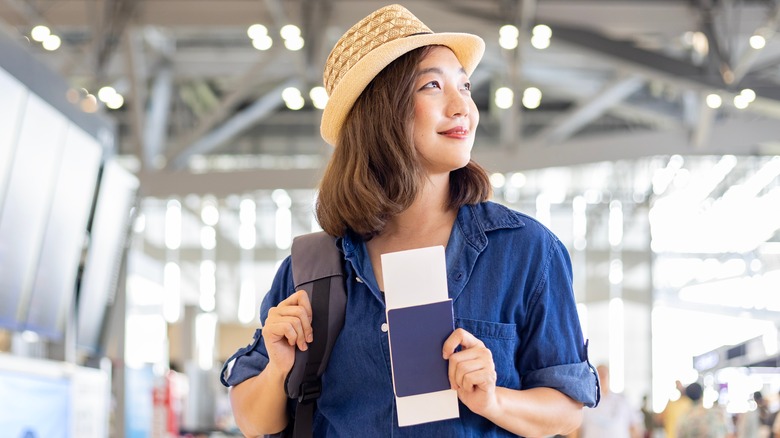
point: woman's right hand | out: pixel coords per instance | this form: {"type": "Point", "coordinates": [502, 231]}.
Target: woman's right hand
{"type": "Point", "coordinates": [288, 324]}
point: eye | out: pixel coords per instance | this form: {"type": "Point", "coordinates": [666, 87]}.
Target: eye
{"type": "Point", "coordinates": [431, 84]}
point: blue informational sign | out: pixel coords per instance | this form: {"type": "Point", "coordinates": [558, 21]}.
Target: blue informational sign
{"type": "Point", "coordinates": [139, 383]}
{"type": "Point", "coordinates": [34, 406]}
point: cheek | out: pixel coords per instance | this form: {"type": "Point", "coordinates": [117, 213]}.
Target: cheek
{"type": "Point", "coordinates": [474, 116]}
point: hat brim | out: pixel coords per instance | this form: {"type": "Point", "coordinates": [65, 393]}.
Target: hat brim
{"type": "Point", "coordinates": [468, 49]}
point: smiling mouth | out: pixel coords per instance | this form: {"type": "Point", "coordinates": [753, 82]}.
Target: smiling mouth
{"type": "Point", "coordinates": [459, 131]}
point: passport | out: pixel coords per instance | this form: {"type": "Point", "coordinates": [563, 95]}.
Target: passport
{"type": "Point", "coordinates": [417, 335]}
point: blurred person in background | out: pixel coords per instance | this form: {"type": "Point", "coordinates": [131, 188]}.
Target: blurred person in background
{"type": "Point", "coordinates": [774, 423]}
{"type": "Point", "coordinates": [700, 422]}
{"type": "Point", "coordinates": [755, 422]}
{"type": "Point", "coordinates": [614, 417]}
{"type": "Point", "coordinates": [670, 416]}
{"type": "Point", "coordinates": [652, 422]}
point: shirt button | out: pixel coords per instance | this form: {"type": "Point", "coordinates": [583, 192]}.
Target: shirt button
{"type": "Point", "coordinates": [358, 279]}
{"type": "Point", "coordinates": [459, 276]}
{"type": "Point", "coordinates": [384, 327]}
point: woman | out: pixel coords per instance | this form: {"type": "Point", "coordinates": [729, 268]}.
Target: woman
{"type": "Point", "coordinates": [402, 122]}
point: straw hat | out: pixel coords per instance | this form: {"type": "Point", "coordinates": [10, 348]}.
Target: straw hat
{"type": "Point", "coordinates": [373, 43]}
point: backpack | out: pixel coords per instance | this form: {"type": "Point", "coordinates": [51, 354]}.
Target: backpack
{"type": "Point", "coordinates": [317, 266]}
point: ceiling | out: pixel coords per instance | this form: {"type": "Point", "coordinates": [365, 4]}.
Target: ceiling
{"type": "Point", "coordinates": [203, 111]}
{"type": "Point", "coordinates": [620, 81]}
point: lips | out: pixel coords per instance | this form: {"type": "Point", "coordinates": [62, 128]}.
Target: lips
{"type": "Point", "coordinates": [458, 130]}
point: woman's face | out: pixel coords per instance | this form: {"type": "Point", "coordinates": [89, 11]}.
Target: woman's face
{"type": "Point", "coordinates": [445, 117]}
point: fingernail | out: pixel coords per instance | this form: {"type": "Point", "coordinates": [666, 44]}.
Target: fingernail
{"type": "Point", "coordinates": [310, 337]}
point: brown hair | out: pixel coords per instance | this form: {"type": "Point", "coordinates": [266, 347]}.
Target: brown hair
{"type": "Point", "coordinates": [375, 172]}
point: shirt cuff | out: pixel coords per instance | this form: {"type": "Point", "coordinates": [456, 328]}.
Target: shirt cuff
{"type": "Point", "coordinates": [578, 380]}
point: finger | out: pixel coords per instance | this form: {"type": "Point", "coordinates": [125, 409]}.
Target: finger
{"type": "Point", "coordinates": [283, 328]}
{"type": "Point", "coordinates": [462, 338]}
{"type": "Point", "coordinates": [290, 322]}
{"type": "Point", "coordinates": [476, 374]}
{"type": "Point", "coordinates": [301, 299]}
{"type": "Point", "coordinates": [297, 305]}
{"type": "Point", "coordinates": [467, 361]}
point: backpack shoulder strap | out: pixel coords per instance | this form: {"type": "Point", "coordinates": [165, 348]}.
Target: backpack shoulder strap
{"type": "Point", "coordinates": [317, 266]}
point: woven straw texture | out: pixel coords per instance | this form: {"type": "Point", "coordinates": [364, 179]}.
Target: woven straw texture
{"type": "Point", "coordinates": [384, 25]}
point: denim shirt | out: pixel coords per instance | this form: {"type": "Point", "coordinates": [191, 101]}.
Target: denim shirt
{"type": "Point", "coordinates": [510, 280]}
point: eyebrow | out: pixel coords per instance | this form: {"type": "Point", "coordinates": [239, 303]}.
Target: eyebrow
{"type": "Point", "coordinates": [437, 70]}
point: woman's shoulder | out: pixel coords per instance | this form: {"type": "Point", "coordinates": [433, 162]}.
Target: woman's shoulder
{"type": "Point", "coordinates": [494, 216]}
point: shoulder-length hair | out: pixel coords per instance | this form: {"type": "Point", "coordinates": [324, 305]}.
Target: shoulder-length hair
{"type": "Point", "coordinates": [375, 172]}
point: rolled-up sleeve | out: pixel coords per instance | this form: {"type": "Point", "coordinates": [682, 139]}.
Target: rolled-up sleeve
{"type": "Point", "coordinates": [554, 353]}
{"type": "Point", "coordinates": [577, 380]}
{"type": "Point", "coordinates": [251, 360]}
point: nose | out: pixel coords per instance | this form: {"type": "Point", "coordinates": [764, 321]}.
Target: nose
{"type": "Point", "coordinates": [458, 104]}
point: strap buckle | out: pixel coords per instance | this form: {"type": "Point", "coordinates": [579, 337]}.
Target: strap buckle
{"type": "Point", "coordinates": [310, 391]}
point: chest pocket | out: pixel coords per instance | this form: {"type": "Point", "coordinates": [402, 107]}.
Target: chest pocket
{"type": "Point", "coordinates": [502, 340]}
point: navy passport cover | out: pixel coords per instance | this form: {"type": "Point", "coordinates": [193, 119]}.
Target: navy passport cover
{"type": "Point", "coordinates": [417, 335]}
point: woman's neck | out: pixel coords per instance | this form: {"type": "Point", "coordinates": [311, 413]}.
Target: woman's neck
{"type": "Point", "coordinates": [427, 221]}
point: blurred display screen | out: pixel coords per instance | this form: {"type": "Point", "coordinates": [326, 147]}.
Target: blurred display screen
{"type": "Point", "coordinates": [34, 406]}
{"type": "Point", "coordinates": [66, 230]}
{"type": "Point", "coordinates": [108, 235]}
{"type": "Point", "coordinates": [14, 95]}
{"type": "Point", "coordinates": [27, 203]}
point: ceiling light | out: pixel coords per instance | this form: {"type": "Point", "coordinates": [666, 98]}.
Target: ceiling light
{"type": "Point", "coordinates": [518, 179]}
{"type": "Point", "coordinates": [256, 31]}
{"type": "Point", "coordinates": [263, 42]}
{"type": "Point", "coordinates": [748, 94]}
{"type": "Point", "coordinates": [504, 97]}
{"type": "Point", "coordinates": [209, 214]}
{"type": "Point", "coordinates": [700, 43]}
{"type": "Point", "coordinates": [741, 102]}
{"type": "Point", "coordinates": [507, 36]}
{"type": "Point", "coordinates": [539, 42]}
{"type": "Point", "coordinates": [89, 104]}
{"type": "Point", "coordinates": [39, 33]}
{"type": "Point", "coordinates": [294, 44]}
{"type": "Point", "coordinates": [714, 101]}
{"type": "Point", "coordinates": [319, 97]}
{"type": "Point", "coordinates": [51, 43]}
{"type": "Point", "coordinates": [532, 98]}
{"type": "Point", "coordinates": [291, 93]}
{"type": "Point", "coordinates": [497, 180]}
{"type": "Point", "coordinates": [290, 31]}
{"type": "Point", "coordinates": [509, 31]}
{"type": "Point", "coordinates": [115, 102]}
{"type": "Point", "coordinates": [542, 31]}
{"type": "Point", "coordinates": [757, 42]}
{"type": "Point", "coordinates": [508, 43]}
{"type": "Point", "coordinates": [106, 93]}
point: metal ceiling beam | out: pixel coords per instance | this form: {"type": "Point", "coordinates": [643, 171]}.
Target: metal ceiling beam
{"type": "Point", "coordinates": [156, 125]}
{"type": "Point", "coordinates": [235, 125]}
{"type": "Point", "coordinates": [567, 124]}
{"type": "Point", "coordinates": [701, 130]}
{"type": "Point", "coordinates": [746, 137]}
{"type": "Point", "coordinates": [749, 56]}
{"type": "Point", "coordinates": [656, 65]}
{"type": "Point", "coordinates": [221, 184]}
{"type": "Point", "coordinates": [738, 137]}
{"type": "Point", "coordinates": [244, 87]}
{"type": "Point", "coordinates": [134, 69]}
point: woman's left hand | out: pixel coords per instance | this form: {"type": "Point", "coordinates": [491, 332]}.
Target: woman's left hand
{"type": "Point", "coordinates": [471, 371]}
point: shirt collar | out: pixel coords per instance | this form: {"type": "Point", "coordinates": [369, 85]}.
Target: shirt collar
{"type": "Point", "coordinates": [475, 220]}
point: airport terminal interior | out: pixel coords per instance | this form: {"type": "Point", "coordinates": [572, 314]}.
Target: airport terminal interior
{"type": "Point", "coordinates": [158, 156]}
